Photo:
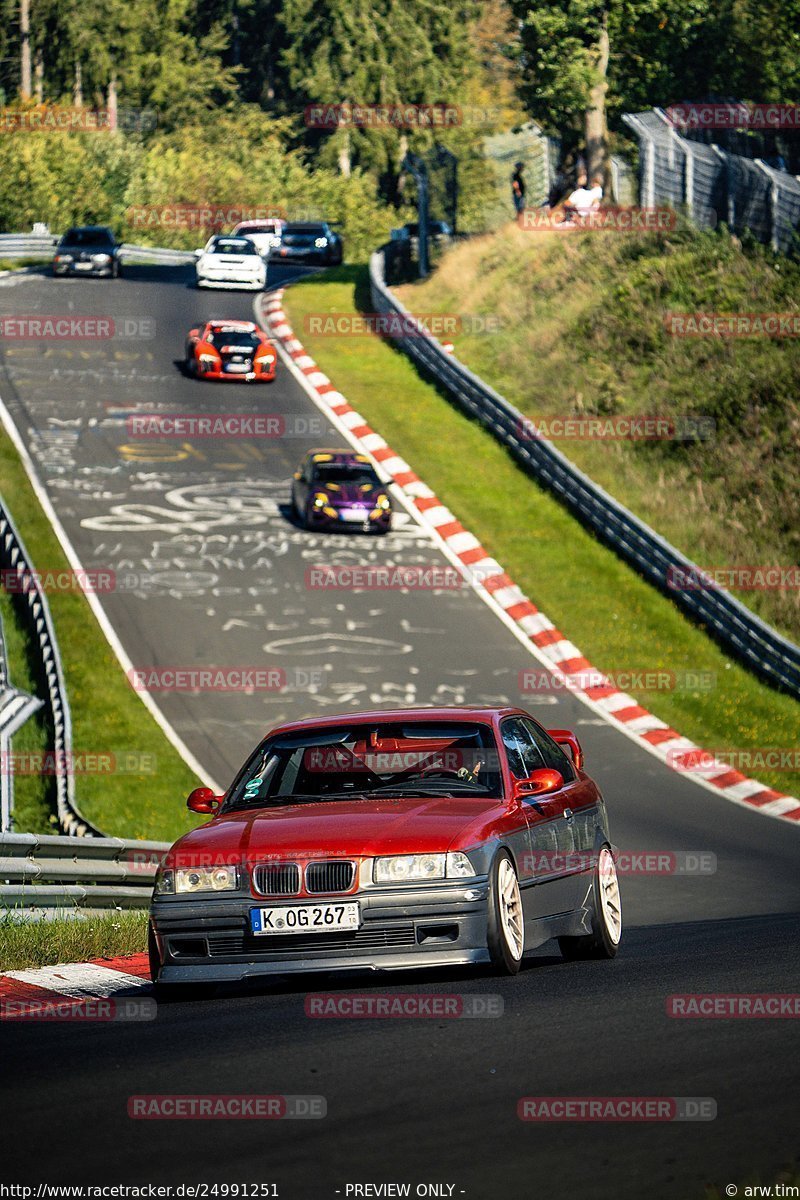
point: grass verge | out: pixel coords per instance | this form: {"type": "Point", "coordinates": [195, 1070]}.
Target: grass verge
{"type": "Point", "coordinates": [107, 715]}
{"type": "Point", "coordinates": [70, 939]}
{"type": "Point", "coordinates": [589, 324]}
{"type": "Point", "coordinates": [617, 620]}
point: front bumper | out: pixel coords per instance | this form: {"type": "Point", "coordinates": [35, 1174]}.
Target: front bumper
{"type": "Point", "coordinates": [232, 281]}
{"type": "Point", "coordinates": [209, 940]}
{"type": "Point", "coordinates": [318, 519]}
{"type": "Point", "coordinates": [91, 270]}
{"type": "Point", "coordinates": [301, 254]}
{"type": "Point", "coordinates": [239, 377]}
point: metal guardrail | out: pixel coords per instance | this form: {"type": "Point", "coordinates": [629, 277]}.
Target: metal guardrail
{"type": "Point", "coordinates": [752, 640]}
{"type": "Point", "coordinates": [40, 872]}
{"type": "Point", "coordinates": [28, 245]}
{"type": "Point", "coordinates": [15, 708]}
{"type": "Point", "coordinates": [15, 558]}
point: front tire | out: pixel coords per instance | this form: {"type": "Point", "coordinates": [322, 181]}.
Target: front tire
{"type": "Point", "coordinates": [505, 936]}
{"type": "Point", "coordinates": [603, 941]}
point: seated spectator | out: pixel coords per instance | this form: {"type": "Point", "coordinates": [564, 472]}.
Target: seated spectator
{"type": "Point", "coordinates": [582, 202]}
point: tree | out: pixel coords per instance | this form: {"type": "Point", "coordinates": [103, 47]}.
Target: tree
{"type": "Point", "coordinates": [375, 52]}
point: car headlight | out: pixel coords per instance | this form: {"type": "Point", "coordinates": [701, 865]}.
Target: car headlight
{"type": "Point", "coordinates": [408, 868]}
{"type": "Point", "coordinates": [383, 502]}
{"type": "Point", "coordinates": [459, 866]}
{"type": "Point", "coordinates": [165, 882]}
{"type": "Point", "coordinates": [64, 258]}
{"type": "Point", "coordinates": [206, 879]}
{"type": "Point", "coordinates": [417, 868]}
{"type": "Point", "coordinates": [320, 243]}
{"type": "Point", "coordinates": [209, 360]}
{"type": "Point", "coordinates": [320, 500]}
{"type": "Point", "coordinates": [101, 258]}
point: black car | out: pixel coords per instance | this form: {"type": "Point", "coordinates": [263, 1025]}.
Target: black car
{"type": "Point", "coordinates": [312, 241]}
{"type": "Point", "coordinates": [88, 250]}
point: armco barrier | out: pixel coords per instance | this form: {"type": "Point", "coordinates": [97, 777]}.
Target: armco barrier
{"type": "Point", "coordinates": [28, 245]}
{"type": "Point", "coordinates": [764, 650]}
{"type": "Point", "coordinates": [39, 873]}
{"type": "Point", "coordinates": [14, 557]}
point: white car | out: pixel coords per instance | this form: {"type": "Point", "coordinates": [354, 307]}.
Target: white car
{"type": "Point", "coordinates": [231, 262]}
{"type": "Point", "coordinates": [265, 234]}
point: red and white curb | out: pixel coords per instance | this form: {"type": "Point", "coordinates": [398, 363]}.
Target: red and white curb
{"type": "Point", "coordinates": [61, 990]}
{"type": "Point", "coordinates": [537, 631]}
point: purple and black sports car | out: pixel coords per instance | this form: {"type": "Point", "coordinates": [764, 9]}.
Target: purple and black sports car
{"type": "Point", "coordinates": [340, 489]}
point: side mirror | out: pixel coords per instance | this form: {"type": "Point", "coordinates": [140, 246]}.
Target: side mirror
{"type": "Point", "coordinates": [203, 800]}
{"type": "Point", "coordinates": [541, 783]}
{"type": "Point", "coordinates": [565, 738]}
{"type": "Point", "coordinates": [197, 253]}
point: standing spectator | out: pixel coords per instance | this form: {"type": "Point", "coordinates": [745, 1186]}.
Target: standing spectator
{"type": "Point", "coordinates": [518, 188]}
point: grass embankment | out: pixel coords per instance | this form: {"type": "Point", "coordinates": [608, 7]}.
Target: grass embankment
{"type": "Point", "coordinates": [604, 607]}
{"type": "Point", "coordinates": [64, 940]}
{"type": "Point", "coordinates": [583, 333]}
{"type": "Point", "coordinates": [107, 715]}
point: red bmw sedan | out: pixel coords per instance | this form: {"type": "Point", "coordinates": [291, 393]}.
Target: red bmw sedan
{"type": "Point", "coordinates": [409, 838]}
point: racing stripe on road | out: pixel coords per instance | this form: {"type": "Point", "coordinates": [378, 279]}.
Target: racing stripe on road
{"type": "Point", "coordinates": [545, 640]}
{"type": "Point", "coordinates": [101, 978]}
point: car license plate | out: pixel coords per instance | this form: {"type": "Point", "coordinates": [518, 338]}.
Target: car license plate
{"type": "Point", "coordinates": [305, 918]}
{"type": "Point", "coordinates": [353, 514]}
{"type": "Point", "coordinates": [83, 266]}
{"type": "Point", "coordinates": [237, 368]}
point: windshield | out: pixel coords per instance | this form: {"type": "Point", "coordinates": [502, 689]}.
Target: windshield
{"type": "Point", "coordinates": [232, 246]}
{"type": "Point", "coordinates": [258, 229]}
{"type": "Point", "coordinates": [234, 337]}
{"type": "Point", "coordinates": [358, 473]}
{"type": "Point", "coordinates": [87, 237]}
{"type": "Point", "coordinates": [386, 761]}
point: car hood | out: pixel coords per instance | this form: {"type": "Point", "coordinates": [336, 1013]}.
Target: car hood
{"type": "Point", "coordinates": [349, 493]}
{"type": "Point", "coordinates": [361, 828]}
{"type": "Point", "coordinates": [73, 248]}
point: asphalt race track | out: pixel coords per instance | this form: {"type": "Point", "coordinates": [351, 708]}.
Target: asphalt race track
{"type": "Point", "coordinates": [216, 574]}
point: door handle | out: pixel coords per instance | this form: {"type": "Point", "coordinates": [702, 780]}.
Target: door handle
{"type": "Point", "coordinates": [567, 814]}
